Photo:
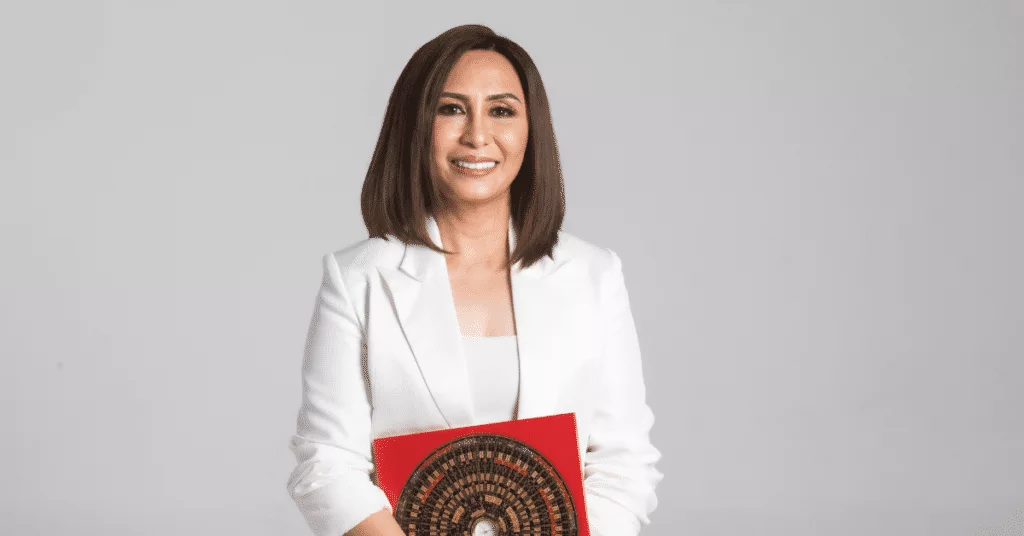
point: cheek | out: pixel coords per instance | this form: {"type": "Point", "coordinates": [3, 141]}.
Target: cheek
{"type": "Point", "coordinates": [514, 140]}
{"type": "Point", "coordinates": [445, 135]}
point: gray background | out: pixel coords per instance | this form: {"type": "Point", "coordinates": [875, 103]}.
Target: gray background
{"type": "Point", "coordinates": [817, 204]}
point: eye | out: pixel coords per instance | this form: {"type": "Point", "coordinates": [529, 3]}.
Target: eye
{"type": "Point", "coordinates": [449, 109]}
{"type": "Point", "coordinates": [503, 111]}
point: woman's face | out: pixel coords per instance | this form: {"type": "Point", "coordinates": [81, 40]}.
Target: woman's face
{"type": "Point", "coordinates": [480, 119]}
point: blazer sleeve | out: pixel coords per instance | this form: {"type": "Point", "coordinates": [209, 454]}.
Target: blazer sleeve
{"type": "Point", "coordinates": [619, 470]}
{"type": "Point", "coordinates": [332, 445]}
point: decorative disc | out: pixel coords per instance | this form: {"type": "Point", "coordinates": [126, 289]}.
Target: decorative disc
{"type": "Point", "coordinates": [486, 485]}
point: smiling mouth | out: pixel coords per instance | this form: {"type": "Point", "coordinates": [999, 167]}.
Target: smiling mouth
{"type": "Point", "coordinates": [474, 165]}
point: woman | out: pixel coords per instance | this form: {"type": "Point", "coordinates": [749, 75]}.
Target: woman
{"type": "Point", "coordinates": [467, 304]}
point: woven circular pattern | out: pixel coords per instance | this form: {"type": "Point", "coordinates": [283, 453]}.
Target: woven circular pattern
{"type": "Point", "coordinates": [486, 485]}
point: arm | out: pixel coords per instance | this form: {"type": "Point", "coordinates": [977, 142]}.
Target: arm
{"type": "Point", "coordinates": [619, 473]}
{"type": "Point", "coordinates": [332, 445]}
{"type": "Point", "coordinates": [381, 523]}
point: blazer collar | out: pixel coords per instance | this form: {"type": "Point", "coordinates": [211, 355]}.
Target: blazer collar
{"type": "Point", "coordinates": [421, 294]}
{"type": "Point", "coordinates": [420, 262]}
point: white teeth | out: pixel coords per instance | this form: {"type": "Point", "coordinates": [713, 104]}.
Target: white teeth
{"type": "Point", "coordinates": [475, 165]}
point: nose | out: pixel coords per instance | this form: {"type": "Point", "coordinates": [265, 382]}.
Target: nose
{"type": "Point", "coordinates": [476, 133]}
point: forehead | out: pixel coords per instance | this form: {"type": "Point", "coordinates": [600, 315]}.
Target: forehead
{"type": "Point", "coordinates": [483, 71]}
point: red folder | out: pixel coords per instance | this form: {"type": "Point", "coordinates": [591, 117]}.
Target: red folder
{"type": "Point", "coordinates": [521, 477]}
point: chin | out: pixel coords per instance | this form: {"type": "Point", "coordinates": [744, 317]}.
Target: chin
{"type": "Point", "coordinates": [476, 196]}
{"type": "Point", "coordinates": [476, 199]}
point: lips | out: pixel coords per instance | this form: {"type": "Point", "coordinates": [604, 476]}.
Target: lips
{"type": "Point", "coordinates": [486, 164]}
{"type": "Point", "coordinates": [474, 169]}
{"type": "Point", "coordinates": [473, 159]}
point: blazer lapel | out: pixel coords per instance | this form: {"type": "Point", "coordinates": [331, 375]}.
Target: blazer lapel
{"type": "Point", "coordinates": [421, 294]}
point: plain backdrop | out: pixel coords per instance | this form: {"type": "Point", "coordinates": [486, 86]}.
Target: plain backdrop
{"type": "Point", "coordinates": [818, 206]}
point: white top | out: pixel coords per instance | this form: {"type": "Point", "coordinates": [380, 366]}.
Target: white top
{"type": "Point", "coordinates": [493, 366]}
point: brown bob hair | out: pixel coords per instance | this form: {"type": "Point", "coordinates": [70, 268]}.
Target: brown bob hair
{"type": "Point", "coordinates": [399, 191]}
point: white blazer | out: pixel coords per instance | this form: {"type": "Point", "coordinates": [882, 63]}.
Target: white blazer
{"type": "Point", "coordinates": [383, 357]}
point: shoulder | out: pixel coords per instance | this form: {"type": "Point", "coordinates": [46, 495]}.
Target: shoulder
{"type": "Point", "coordinates": [355, 260]}
{"type": "Point", "coordinates": [368, 253]}
{"type": "Point", "coordinates": [602, 269]}
{"type": "Point", "coordinates": [359, 258]}
{"type": "Point", "coordinates": [600, 261]}
{"type": "Point", "coordinates": [572, 247]}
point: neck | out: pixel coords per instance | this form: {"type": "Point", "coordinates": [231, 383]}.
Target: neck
{"type": "Point", "coordinates": [478, 236]}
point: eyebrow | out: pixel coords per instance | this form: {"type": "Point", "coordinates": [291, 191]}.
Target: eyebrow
{"type": "Point", "coordinates": [498, 96]}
